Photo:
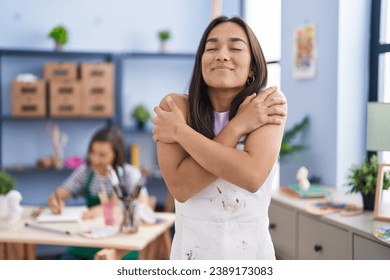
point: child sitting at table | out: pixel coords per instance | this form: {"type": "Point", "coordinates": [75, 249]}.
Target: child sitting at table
{"type": "Point", "coordinates": [105, 151]}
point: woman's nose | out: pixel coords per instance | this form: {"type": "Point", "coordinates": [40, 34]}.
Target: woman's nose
{"type": "Point", "coordinates": [222, 55]}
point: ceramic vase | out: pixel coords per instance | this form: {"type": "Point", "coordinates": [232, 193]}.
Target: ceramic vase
{"type": "Point", "coordinates": [164, 46]}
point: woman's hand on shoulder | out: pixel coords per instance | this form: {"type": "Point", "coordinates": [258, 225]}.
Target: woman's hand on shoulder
{"type": "Point", "coordinates": [180, 99]}
{"type": "Point", "coordinates": [269, 106]}
{"type": "Point", "coordinates": [170, 114]}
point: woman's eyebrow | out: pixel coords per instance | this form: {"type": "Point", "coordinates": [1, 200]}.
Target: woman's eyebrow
{"type": "Point", "coordinates": [236, 39]}
{"type": "Point", "coordinates": [233, 39]}
{"type": "Point", "coordinates": [212, 40]}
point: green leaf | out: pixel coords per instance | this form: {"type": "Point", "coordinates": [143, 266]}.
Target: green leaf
{"type": "Point", "coordinates": [141, 113]}
{"type": "Point", "coordinates": [363, 177]}
{"type": "Point", "coordinates": [164, 35]}
{"type": "Point", "coordinates": [59, 34]}
{"type": "Point", "coordinates": [287, 148]}
{"type": "Point", "coordinates": [7, 182]}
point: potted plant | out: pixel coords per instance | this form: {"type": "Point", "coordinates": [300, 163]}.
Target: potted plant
{"type": "Point", "coordinates": [60, 36]}
{"type": "Point", "coordinates": [362, 178]}
{"type": "Point", "coordinates": [288, 147]}
{"type": "Point", "coordinates": [7, 184]}
{"type": "Point", "coordinates": [141, 114]}
{"type": "Point", "coordinates": [164, 36]}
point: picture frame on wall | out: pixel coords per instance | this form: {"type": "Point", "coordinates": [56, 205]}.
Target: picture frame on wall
{"type": "Point", "coordinates": [304, 54]}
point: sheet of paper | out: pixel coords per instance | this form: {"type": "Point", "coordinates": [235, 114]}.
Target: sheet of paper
{"type": "Point", "coordinates": [68, 214]}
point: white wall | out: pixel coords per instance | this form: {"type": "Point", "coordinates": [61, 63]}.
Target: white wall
{"type": "Point", "coordinates": [335, 98]}
{"type": "Point", "coordinates": [354, 23]}
{"type": "Point", "coordinates": [129, 25]}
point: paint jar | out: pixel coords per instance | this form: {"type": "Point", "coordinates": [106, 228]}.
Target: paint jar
{"type": "Point", "coordinates": [130, 220]}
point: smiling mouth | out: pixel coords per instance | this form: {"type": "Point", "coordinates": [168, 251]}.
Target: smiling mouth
{"type": "Point", "coordinates": [222, 68]}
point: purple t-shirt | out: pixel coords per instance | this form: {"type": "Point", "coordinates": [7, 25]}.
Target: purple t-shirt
{"type": "Point", "coordinates": [220, 120]}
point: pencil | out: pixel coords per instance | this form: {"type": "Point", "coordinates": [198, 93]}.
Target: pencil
{"type": "Point", "coordinates": [37, 212]}
{"type": "Point", "coordinates": [46, 229]}
{"type": "Point", "coordinates": [58, 200]}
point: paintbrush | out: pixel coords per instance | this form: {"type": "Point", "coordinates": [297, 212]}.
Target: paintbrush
{"type": "Point", "coordinates": [115, 182]}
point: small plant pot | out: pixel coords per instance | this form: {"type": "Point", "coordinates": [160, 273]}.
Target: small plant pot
{"type": "Point", "coordinates": [140, 126]}
{"type": "Point", "coordinates": [164, 46]}
{"type": "Point", "coordinates": [368, 202]}
{"type": "Point", "coordinates": [58, 47]}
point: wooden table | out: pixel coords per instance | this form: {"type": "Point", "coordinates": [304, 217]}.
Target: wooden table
{"type": "Point", "coordinates": [153, 241]}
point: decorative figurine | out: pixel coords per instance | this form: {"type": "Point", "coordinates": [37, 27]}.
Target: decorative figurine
{"type": "Point", "coordinates": [303, 182]}
{"type": "Point", "coordinates": [59, 140]}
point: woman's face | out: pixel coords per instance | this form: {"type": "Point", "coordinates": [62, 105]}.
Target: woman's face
{"type": "Point", "coordinates": [101, 156]}
{"type": "Point", "coordinates": [227, 57]}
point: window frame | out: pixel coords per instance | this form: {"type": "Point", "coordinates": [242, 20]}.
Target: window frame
{"type": "Point", "coordinates": [377, 48]}
{"type": "Point", "coordinates": [243, 7]}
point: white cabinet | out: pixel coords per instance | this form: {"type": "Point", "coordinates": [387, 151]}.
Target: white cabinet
{"type": "Point", "coordinates": [283, 230]}
{"type": "Point", "coordinates": [297, 234]}
{"type": "Point", "coordinates": [366, 249]}
{"type": "Point", "coordinates": [321, 241]}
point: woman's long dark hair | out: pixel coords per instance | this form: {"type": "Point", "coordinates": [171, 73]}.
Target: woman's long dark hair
{"type": "Point", "coordinates": [201, 114]}
{"type": "Point", "coordinates": [113, 136]}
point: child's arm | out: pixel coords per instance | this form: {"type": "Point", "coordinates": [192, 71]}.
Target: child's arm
{"type": "Point", "coordinates": [56, 200]}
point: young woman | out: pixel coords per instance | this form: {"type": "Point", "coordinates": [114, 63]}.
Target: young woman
{"type": "Point", "coordinates": [106, 149]}
{"type": "Point", "coordinates": [217, 148]}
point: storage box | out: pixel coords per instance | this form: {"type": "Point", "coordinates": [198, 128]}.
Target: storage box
{"type": "Point", "coordinates": [97, 99]}
{"type": "Point", "coordinates": [29, 99]}
{"type": "Point", "coordinates": [60, 71]}
{"type": "Point", "coordinates": [65, 99]}
{"type": "Point", "coordinates": [97, 71]}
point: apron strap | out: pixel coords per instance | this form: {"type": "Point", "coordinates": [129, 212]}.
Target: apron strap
{"type": "Point", "coordinates": [92, 200]}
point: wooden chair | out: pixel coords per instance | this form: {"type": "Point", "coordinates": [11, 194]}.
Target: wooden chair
{"type": "Point", "coordinates": [17, 251]}
{"type": "Point", "coordinates": [160, 249]}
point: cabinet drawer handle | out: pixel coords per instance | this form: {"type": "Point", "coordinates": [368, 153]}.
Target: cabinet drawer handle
{"type": "Point", "coordinates": [272, 226]}
{"type": "Point", "coordinates": [317, 248]}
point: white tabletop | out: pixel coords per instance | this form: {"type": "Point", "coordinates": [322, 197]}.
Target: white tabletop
{"type": "Point", "coordinates": [135, 241]}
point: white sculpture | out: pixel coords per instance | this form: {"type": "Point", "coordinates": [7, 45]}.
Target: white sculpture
{"type": "Point", "coordinates": [303, 182]}
{"type": "Point", "coordinates": [59, 140]}
{"type": "Point", "coordinates": [10, 209]}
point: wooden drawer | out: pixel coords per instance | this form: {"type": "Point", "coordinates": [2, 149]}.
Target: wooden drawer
{"type": "Point", "coordinates": [321, 241]}
{"type": "Point", "coordinates": [365, 249]}
{"type": "Point", "coordinates": [283, 230]}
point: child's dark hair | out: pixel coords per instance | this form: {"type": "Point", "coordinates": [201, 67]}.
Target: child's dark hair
{"type": "Point", "coordinates": [114, 136]}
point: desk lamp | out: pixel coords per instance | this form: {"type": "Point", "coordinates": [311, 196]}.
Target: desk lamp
{"type": "Point", "coordinates": [378, 139]}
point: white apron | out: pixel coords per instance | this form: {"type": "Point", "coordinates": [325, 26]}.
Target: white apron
{"type": "Point", "coordinates": [224, 221]}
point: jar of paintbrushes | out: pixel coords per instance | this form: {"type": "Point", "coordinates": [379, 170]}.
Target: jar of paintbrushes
{"type": "Point", "coordinates": [130, 220]}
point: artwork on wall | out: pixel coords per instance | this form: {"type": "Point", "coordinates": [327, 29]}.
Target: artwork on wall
{"type": "Point", "coordinates": [304, 56]}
